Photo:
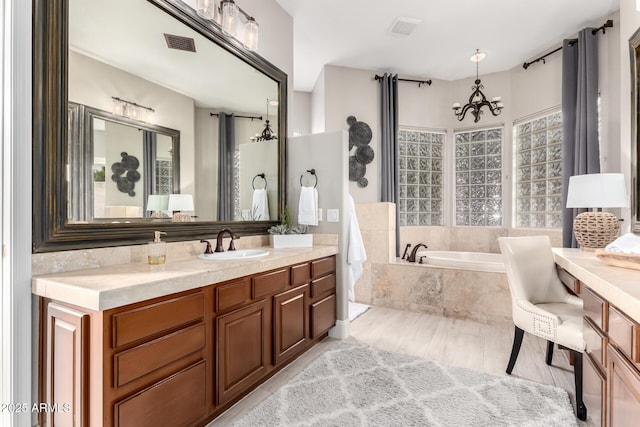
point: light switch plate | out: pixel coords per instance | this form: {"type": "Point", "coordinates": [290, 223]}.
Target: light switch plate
{"type": "Point", "coordinates": [333, 215]}
{"type": "Point", "coordinates": [319, 214]}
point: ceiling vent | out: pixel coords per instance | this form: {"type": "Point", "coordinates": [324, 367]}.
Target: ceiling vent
{"type": "Point", "coordinates": [404, 26]}
{"type": "Point", "coordinates": [180, 42]}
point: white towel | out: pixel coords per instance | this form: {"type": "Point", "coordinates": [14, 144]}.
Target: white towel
{"type": "Point", "coordinates": [356, 254]}
{"type": "Point", "coordinates": [260, 205]}
{"type": "Point", "coordinates": [628, 243]}
{"type": "Point", "coordinates": [308, 206]}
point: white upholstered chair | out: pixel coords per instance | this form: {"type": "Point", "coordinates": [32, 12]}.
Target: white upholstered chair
{"type": "Point", "coordinates": [541, 305]}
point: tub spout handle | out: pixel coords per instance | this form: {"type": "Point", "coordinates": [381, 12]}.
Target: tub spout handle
{"type": "Point", "coordinates": [406, 249]}
{"type": "Point", "coordinates": [421, 259]}
{"type": "Point", "coordinates": [414, 251]}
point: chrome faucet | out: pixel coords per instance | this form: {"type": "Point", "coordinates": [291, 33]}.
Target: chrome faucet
{"type": "Point", "coordinates": [221, 233]}
{"type": "Point", "coordinates": [414, 251]}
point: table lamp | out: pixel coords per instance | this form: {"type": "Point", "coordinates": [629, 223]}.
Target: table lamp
{"type": "Point", "coordinates": [178, 203]}
{"type": "Point", "coordinates": [158, 203]}
{"type": "Point", "coordinates": [596, 229]}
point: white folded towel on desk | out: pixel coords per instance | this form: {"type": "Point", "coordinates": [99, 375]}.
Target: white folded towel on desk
{"type": "Point", "coordinates": [308, 206]}
{"type": "Point", "coordinates": [260, 205]}
{"type": "Point", "coordinates": [628, 244]}
{"type": "Point", "coordinates": [356, 254]}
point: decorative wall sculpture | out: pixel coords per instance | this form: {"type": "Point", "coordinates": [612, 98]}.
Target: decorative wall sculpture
{"type": "Point", "coordinates": [125, 174]}
{"type": "Point", "coordinates": [359, 137]}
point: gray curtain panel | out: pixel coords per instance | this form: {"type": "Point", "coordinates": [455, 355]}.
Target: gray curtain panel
{"type": "Point", "coordinates": [149, 154]}
{"type": "Point", "coordinates": [226, 147]}
{"type": "Point", "coordinates": [389, 146]}
{"type": "Point", "coordinates": [580, 145]}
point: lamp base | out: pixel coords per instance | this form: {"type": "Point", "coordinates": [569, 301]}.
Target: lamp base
{"type": "Point", "coordinates": [159, 214]}
{"type": "Point", "coordinates": [181, 217]}
{"type": "Point", "coordinates": [595, 230]}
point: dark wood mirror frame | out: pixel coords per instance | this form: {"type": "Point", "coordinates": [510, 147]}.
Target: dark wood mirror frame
{"type": "Point", "coordinates": [51, 232]}
{"type": "Point", "coordinates": [634, 50]}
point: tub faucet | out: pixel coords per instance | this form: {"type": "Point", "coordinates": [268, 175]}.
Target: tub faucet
{"type": "Point", "coordinates": [414, 251]}
{"type": "Point", "coordinates": [221, 234]}
{"type": "Point", "coordinates": [406, 249]}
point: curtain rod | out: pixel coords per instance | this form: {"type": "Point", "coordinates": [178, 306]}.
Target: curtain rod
{"type": "Point", "coordinates": [240, 117]}
{"type": "Point", "coordinates": [603, 27]}
{"type": "Point", "coordinates": [420, 82]}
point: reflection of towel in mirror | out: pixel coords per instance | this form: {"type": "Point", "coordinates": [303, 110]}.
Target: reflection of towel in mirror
{"type": "Point", "coordinates": [260, 205]}
{"type": "Point", "coordinates": [308, 206]}
{"type": "Point", "coordinates": [356, 253]}
{"type": "Point", "coordinates": [628, 243]}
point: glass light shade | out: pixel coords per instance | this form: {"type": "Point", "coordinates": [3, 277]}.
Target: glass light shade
{"type": "Point", "coordinates": [251, 31]}
{"type": "Point", "coordinates": [158, 202]}
{"type": "Point", "coordinates": [206, 8]}
{"type": "Point", "coordinates": [180, 202]}
{"type": "Point", "coordinates": [117, 107]}
{"type": "Point", "coordinates": [229, 17]}
{"type": "Point", "coordinates": [597, 190]}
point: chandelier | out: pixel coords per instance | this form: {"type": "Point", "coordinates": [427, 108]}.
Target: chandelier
{"type": "Point", "coordinates": [267, 133]}
{"type": "Point", "coordinates": [477, 100]}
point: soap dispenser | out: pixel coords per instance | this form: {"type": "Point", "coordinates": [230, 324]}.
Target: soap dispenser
{"type": "Point", "coordinates": [157, 249]}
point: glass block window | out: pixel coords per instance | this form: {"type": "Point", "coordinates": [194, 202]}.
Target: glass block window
{"type": "Point", "coordinates": [479, 177]}
{"type": "Point", "coordinates": [164, 178]}
{"type": "Point", "coordinates": [539, 172]}
{"type": "Point", "coordinates": [420, 177]}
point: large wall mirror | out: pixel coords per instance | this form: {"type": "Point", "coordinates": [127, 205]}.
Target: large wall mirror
{"type": "Point", "coordinates": [138, 102]}
{"type": "Point", "coordinates": [634, 45]}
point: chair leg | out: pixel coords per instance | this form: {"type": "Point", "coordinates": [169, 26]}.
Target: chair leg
{"type": "Point", "coordinates": [581, 410]}
{"type": "Point", "coordinates": [517, 342]}
{"type": "Point", "coordinates": [550, 345]}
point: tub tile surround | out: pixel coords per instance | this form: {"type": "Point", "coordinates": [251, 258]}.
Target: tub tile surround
{"type": "Point", "coordinates": [463, 294]}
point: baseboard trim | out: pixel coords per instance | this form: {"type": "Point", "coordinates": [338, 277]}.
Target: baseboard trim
{"type": "Point", "coordinates": [341, 330]}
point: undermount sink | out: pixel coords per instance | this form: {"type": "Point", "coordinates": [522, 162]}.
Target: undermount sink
{"type": "Point", "coordinates": [239, 254]}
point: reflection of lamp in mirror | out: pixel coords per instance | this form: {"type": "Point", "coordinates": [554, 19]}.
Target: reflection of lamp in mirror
{"type": "Point", "coordinates": [158, 204]}
{"type": "Point", "coordinates": [229, 17]}
{"type": "Point", "coordinates": [206, 8]}
{"type": "Point", "coordinates": [596, 229]}
{"type": "Point", "coordinates": [178, 204]}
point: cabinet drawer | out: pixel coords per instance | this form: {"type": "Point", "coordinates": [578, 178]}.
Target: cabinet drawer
{"type": "Point", "coordinates": [233, 295]}
{"type": "Point", "coordinates": [146, 358]}
{"type": "Point", "coordinates": [595, 342]}
{"type": "Point", "coordinates": [595, 308]}
{"type": "Point", "coordinates": [594, 391]}
{"type": "Point", "coordinates": [300, 274]}
{"type": "Point", "coordinates": [136, 324]}
{"type": "Point", "coordinates": [568, 280]}
{"type": "Point", "coordinates": [623, 390]}
{"type": "Point", "coordinates": [270, 283]}
{"type": "Point", "coordinates": [323, 315]}
{"type": "Point", "coordinates": [324, 285]}
{"type": "Point", "coordinates": [322, 267]}
{"type": "Point", "coordinates": [177, 401]}
{"type": "Point", "coordinates": [623, 333]}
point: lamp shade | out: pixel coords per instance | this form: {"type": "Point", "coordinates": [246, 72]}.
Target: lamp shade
{"type": "Point", "coordinates": [180, 202]}
{"type": "Point", "coordinates": [158, 202]}
{"type": "Point", "coordinates": [597, 190]}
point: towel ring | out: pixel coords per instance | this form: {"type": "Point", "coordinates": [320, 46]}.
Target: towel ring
{"type": "Point", "coordinates": [253, 182]}
{"type": "Point", "coordinates": [312, 172]}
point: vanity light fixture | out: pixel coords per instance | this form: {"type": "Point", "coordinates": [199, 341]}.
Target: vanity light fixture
{"type": "Point", "coordinates": [132, 110]}
{"type": "Point", "coordinates": [267, 134]}
{"type": "Point", "coordinates": [596, 229]}
{"type": "Point", "coordinates": [477, 100]}
{"type": "Point", "coordinates": [229, 13]}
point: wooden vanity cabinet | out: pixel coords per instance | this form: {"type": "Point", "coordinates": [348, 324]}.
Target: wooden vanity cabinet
{"type": "Point", "coordinates": [182, 359]}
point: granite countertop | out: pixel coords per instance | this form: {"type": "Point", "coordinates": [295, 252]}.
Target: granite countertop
{"type": "Point", "coordinates": [620, 286]}
{"type": "Point", "coordinates": [115, 286]}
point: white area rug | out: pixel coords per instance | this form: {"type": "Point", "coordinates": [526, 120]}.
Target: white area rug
{"type": "Point", "coordinates": [357, 385]}
{"type": "Point", "coordinates": [356, 309]}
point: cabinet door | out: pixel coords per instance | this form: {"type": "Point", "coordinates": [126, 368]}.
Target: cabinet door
{"type": "Point", "coordinates": [323, 315]}
{"type": "Point", "coordinates": [291, 323]}
{"type": "Point", "coordinates": [594, 388]}
{"type": "Point", "coordinates": [624, 391]}
{"type": "Point", "coordinates": [242, 353]}
{"type": "Point", "coordinates": [67, 365]}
